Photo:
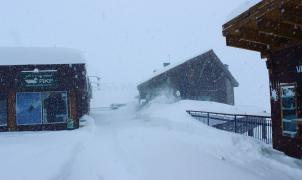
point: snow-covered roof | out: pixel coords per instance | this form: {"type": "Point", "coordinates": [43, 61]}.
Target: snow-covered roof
{"type": "Point", "coordinates": [169, 67]}
{"type": "Point", "coordinates": [203, 56]}
{"type": "Point", "coordinates": [39, 55]}
{"type": "Point", "coordinates": [242, 8]}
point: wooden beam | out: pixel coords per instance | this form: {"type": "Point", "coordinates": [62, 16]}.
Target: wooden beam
{"type": "Point", "coordinates": [243, 44]}
{"type": "Point", "coordinates": [291, 14]}
{"type": "Point", "coordinates": [253, 35]}
{"type": "Point", "coordinates": [267, 27]}
{"type": "Point", "coordinates": [11, 111]}
{"type": "Point", "coordinates": [283, 30]}
{"type": "Point", "coordinates": [261, 9]}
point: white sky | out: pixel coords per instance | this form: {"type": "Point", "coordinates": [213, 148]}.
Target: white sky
{"type": "Point", "coordinates": [124, 40]}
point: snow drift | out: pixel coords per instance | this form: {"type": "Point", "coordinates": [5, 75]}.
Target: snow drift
{"type": "Point", "coordinates": [160, 141]}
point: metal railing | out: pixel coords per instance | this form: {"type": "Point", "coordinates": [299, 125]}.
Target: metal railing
{"type": "Point", "coordinates": [259, 127]}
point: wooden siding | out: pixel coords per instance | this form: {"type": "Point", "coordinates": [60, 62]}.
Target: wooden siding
{"type": "Point", "coordinates": [274, 28]}
{"type": "Point", "coordinates": [72, 79]}
{"type": "Point", "coordinates": [282, 69]}
{"type": "Point", "coordinates": [267, 27]}
{"type": "Point", "coordinates": [198, 79]}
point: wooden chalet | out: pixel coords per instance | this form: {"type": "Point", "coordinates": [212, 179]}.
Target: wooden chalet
{"type": "Point", "coordinates": [204, 77]}
{"type": "Point", "coordinates": [42, 89]}
{"type": "Point", "coordinates": [274, 28]}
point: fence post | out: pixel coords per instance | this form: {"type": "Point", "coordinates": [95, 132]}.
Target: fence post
{"type": "Point", "coordinates": [264, 130]}
{"type": "Point", "coordinates": [208, 119]}
{"type": "Point", "coordinates": [250, 132]}
{"type": "Point", "coordinates": [250, 124]}
{"type": "Point", "coordinates": [235, 124]}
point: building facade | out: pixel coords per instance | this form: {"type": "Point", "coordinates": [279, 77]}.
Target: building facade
{"type": "Point", "coordinates": [273, 28]}
{"type": "Point", "coordinates": [204, 77]}
{"type": "Point", "coordinates": [43, 96]}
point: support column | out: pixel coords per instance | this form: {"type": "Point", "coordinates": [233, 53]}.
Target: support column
{"type": "Point", "coordinates": [73, 108]}
{"type": "Point", "coordinates": [11, 121]}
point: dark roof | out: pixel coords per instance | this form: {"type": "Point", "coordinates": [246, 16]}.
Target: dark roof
{"type": "Point", "coordinates": [267, 27]}
{"type": "Point", "coordinates": [209, 54]}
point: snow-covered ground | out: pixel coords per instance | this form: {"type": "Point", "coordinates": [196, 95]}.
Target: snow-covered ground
{"type": "Point", "coordinates": [159, 141]}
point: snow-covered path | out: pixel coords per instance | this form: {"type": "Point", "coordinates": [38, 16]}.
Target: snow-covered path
{"type": "Point", "coordinates": [141, 145]}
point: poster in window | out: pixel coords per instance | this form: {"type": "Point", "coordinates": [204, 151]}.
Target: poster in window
{"type": "Point", "coordinates": [288, 106]}
{"type": "Point", "coordinates": [29, 108]}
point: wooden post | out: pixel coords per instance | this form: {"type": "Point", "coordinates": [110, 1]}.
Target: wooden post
{"type": "Point", "coordinates": [73, 108]}
{"type": "Point", "coordinates": [11, 121]}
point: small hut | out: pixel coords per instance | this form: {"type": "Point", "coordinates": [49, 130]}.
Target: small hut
{"type": "Point", "coordinates": [274, 28]}
{"type": "Point", "coordinates": [203, 77]}
{"type": "Point", "coordinates": [42, 89]}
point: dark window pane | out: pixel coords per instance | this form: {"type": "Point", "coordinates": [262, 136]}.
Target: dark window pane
{"type": "Point", "coordinates": [54, 107]}
{"type": "Point", "coordinates": [289, 126]}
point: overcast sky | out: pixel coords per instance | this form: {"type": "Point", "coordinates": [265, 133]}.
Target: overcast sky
{"type": "Point", "coordinates": [124, 40]}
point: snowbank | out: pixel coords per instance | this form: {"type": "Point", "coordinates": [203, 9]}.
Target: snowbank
{"type": "Point", "coordinates": [39, 55]}
{"type": "Point", "coordinates": [160, 141]}
{"type": "Point", "coordinates": [183, 105]}
{"type": "Point", "coordinates": [187, 149]}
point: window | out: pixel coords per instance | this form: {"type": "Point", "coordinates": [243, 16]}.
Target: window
{"type": "Point", "coordinates": [3, 110]}
{"type": "Point", "coordinates": [29, 108]}
{"type": "Point", "coordinates": [41, 108]}
{"type": "Point", "coordinates": [54, 107]}
{"type": "Point", "coordinates": [288, 108]}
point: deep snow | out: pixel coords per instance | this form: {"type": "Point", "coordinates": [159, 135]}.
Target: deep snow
{"type": "Point", "coordinates": [159, 141]}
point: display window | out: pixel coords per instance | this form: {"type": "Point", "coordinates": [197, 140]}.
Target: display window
{"type": "Point", "coordinates": [29, 108]}
{"type": "Point", "coordinates": [41, 108]}
{"type": "Point", "coordinates": [54, 107]}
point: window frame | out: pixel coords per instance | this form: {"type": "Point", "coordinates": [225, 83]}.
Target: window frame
{"type": "Point", "coordinates": [67, 108]}
{"type": "Point", "coordinates": [290, 134]}
{"type": "Point", "coordinates": [17, 105]}
{"type": "Point", "coordinates": [42, 109]}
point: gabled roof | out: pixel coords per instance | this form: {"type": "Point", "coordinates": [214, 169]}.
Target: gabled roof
{"type": "Point", "coordinates": [267, 27]}
{"type": "Point", "coordinates": [210, 54]}
{"type": "Point", "coordinates": [39, 55]}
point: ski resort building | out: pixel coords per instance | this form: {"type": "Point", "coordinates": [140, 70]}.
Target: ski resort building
{"type": "Point", "coordinates": [203, 77]}
{"type": "Point", "coordinates": [42, 89]}
{"type": "Point", "coordinates": [274, 28]}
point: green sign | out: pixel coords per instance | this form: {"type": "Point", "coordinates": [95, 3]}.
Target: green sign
{"type": "Point", "coordinates": [70, 124]}
{"type": "Point", "coordinates": [39, 79]}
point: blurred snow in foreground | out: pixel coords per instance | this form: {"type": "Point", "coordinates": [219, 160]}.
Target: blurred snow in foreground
{"type": "Point", "coordinates": [156, 142]}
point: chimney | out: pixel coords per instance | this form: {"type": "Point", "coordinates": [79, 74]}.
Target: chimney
{"type": "Point", "coordinates": [226, 66]}
{"type": "Point", "coordinates": [166, 64]}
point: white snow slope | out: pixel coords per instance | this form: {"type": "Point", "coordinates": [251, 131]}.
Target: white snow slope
{"type": "Point", "coordinates": [158, 142]}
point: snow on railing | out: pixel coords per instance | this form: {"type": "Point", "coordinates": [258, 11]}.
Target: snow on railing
{"type": "Point", "coordinates": [259, 127]}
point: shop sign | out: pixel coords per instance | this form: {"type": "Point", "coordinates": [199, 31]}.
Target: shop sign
{"type": "Point", "coordinates": [299, 69]}
{"type": "Point", "coordinates": [39, 79]}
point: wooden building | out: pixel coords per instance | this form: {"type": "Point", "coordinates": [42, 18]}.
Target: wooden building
{"type": "Point", "coordinates": [204, 77]}
{"type": "Point", "coordinates": [274, 28]}
{"type": "Point", "coordinates": [42, 89]}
